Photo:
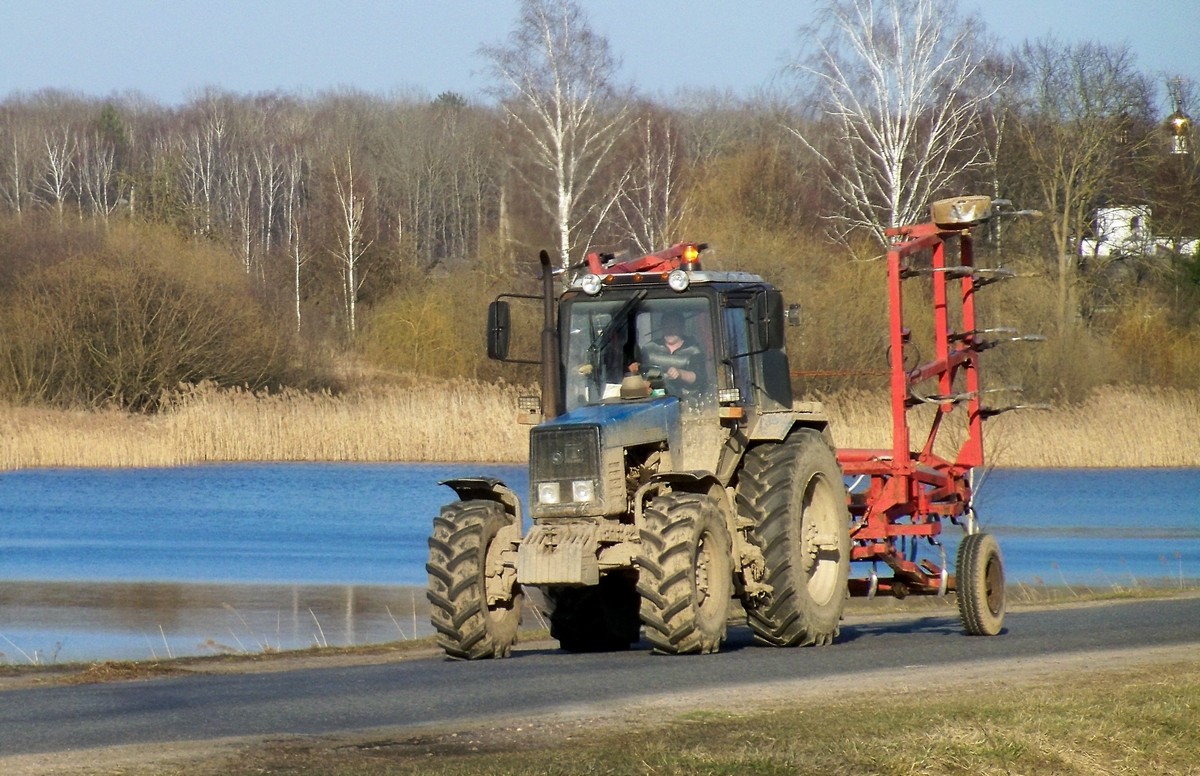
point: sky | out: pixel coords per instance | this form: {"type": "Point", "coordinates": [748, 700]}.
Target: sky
{"type": "Point", "coordinates": [170, 49]}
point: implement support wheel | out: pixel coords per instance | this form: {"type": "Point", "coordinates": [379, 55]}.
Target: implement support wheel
{"type": "Point", "coordinates": [979, 576]}
{"type": "Point", "coordinates": [475, 602]}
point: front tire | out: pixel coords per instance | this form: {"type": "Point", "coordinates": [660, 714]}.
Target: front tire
{"type": "Point", "coordinates": [475, 602]}
{"type": "Point", "coordinates": [979, 576]}
{"type": "Point", "coordinates": [685, 577]}
{"type": "Point", "coordinates": [792, 492]}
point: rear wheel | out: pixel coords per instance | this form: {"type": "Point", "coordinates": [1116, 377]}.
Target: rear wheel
{"type": "Point", "coordinates": [475, 602]}
{"type": "Point", "coordinates": [793, 494]}
{"type": "Point", "coordinates": [979, 576]}
{"type": "Point", "coordinates": [599, 618]}
{"type": "Point", "coordinates": [685, 576]}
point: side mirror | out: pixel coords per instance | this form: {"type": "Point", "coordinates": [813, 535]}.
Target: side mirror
{"type": "Point", "coordinates": [499, 320]}
{"type": "Point", "coordinates": [772, 316]}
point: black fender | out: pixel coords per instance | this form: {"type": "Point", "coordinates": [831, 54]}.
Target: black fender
{"type": "Point", "coordinates": [487, 489]}
{"type": "Point", "coordinates": [701, 482]}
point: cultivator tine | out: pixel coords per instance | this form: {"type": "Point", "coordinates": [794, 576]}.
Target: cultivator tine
{"type": "Point", "coordinates": [988, 344]}
{"type": "Point", "coordinates": [943, 398]}
{"type": "Point", "coordinates": [964, 335]}
{"type": "Point", "coordinates": [989, 412]}
{"type": "Point", "coordinates": [984, 276]}
{"type": "Point", "coordinates": [981, 275]}
{"type": "Point", "coordinates": [1004, 389]}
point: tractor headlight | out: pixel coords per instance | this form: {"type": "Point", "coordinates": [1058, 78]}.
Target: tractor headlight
{"type": "Point", "coordinates": [583, 491]}
{"type": "Point", "coordinates": [590, 284]}
{"type": "Point", "coordinates": [549, 493]}
{"type": "Point", "coordinates": [678, 280]}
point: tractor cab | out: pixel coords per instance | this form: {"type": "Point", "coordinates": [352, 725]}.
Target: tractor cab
{"type": "Point", "coordinates": [709, 339]}
{"type": "Point", "coordinates": [666, 340]}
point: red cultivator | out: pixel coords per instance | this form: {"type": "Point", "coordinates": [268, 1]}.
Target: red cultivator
{"type": "Point", "coordinates": [900, 496]}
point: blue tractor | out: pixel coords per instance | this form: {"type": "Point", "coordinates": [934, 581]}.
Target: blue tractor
{"type": "Point", "coordinates": [671, 475]}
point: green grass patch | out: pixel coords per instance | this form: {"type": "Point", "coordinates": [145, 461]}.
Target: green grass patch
{"type": "Point", "coordinates": [1130, 721]}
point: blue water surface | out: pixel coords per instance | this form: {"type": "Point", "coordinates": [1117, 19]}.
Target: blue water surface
{"type": "Point", "coordinates": [294, 523]}
{"type": "Point", "coordinates": [368, 523]}
{"type": "Point", "coordinates": [1105, 527]}
{"type": "Point", "coordinates": [144, 563]}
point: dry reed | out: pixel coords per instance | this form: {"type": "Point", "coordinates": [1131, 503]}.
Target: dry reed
{"type": "Point", "coordinates": [1113, 428]}
{"type": "Point", "coordinates": [473, 421]}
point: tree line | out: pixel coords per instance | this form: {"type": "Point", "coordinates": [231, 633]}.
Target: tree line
{"type": "Point", "coordinates": [306, 227]}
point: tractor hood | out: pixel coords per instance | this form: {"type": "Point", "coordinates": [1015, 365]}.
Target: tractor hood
{"type": "Point", "coordinates": [627, 423]}
{"type": "Point", "coordinates": [577, 460]}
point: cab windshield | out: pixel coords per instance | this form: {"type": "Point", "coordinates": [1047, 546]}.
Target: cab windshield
{"type": "Point", "coordinates": [666, 340]}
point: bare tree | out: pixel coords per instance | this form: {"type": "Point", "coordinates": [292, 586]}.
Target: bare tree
{"type": "Point", "coordinates": [295, 167]}
{"type": "Point", "coordinates": [60, 166]}
{"type": "Point", "coordinates": [901, 86]}
{"type": "Point", "coordinates": [651, 203]}
{"type": "Point", "coordinates": [20, 167]}
{"type": "Point", "coordinates": [351, 242]}
{"type": "Point", "coordinates": [1080, 103]}
{"type": "Point", "coordinates": [97, 179]}
{"type": "Point", "coordinates": [205, 149]}
{"type": "Point", "coordinates": [239, 195]}
{"type": "Point", "coordinates": [555, 83]}
{"type": "Point", "coordinates": [268, 184]}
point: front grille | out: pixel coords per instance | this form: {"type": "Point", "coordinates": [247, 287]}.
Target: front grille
{"type": "Point", "coordinates": [564, 453]}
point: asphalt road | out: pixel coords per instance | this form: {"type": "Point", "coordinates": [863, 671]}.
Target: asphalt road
{"type": "Point", "coordinates": [423, 692]}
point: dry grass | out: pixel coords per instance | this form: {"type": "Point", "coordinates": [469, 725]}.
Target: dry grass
{"type": "Point", "coordinates": [440, 421]}
{"type": "Point", "coordinates": [1123, 718]}
{"type": "Point", "coordinates": [1112, 428]}
{"type": "Point", "coordinates": [474, 421]}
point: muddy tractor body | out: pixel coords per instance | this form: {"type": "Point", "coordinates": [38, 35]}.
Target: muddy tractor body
{"type": "Point", "coordinates": [673, 480]}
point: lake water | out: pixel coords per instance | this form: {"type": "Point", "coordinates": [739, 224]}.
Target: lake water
{"type": "Point", "coordinates": [145, 563]}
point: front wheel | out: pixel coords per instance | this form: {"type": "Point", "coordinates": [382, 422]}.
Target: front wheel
{"type": "Point", "coordinates": [685, 574]}
{"type": "Point", "coordinates": [475, 602]}
{"type": "Point", "coordinates": [979, 576]}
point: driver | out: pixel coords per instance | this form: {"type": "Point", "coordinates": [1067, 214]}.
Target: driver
{"type": "Point", "coordinates": [679, 361]}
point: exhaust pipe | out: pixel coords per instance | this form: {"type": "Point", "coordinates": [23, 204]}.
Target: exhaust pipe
{"type": "Point", "coordinates": [550, 370]}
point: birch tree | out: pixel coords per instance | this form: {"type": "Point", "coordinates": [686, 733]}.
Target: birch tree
{"type": "Point", "coordinates": [900, 86]}
{"type": "Point", "coordinates": [294, 174]}
{"type": "Point", "coordinates": [651, 204]}
{"type": "Point", "coordinates": [97, 176]}
{"type": "Point", "coordinates": [60, 166]}
{"type": "Point", "coordinates": [351, 242]}
{"type": "Point", "coordinates": [555, 81]}
{"type": "Point", "coordinates": [19, 167]}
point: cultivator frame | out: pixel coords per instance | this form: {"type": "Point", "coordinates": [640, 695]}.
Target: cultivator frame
{"type": "Point", "coordinates": [910, 490]}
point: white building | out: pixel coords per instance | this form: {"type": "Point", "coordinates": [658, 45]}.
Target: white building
{"type": "Point", "coordinates": [1125, 231]}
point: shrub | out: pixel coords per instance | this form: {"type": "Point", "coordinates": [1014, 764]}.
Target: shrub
{"type": "Point", "coordinates": [134, 314]}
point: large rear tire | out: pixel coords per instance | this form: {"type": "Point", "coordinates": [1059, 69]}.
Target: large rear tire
{"type": "Point", "coordinates": [685, 576]}
{"type": "Point", "coordinates": [979, 576]}
{"type": "Point", "coordinates": [598, 618]}
{"type": "Point", "coordinates": [475, 602]}
{"type": "Point", "coordinates": [793, 494]}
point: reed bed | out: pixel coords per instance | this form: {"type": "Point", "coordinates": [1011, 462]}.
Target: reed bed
{"type": "Point", "coordinates": [1116, 427]}
{"type": "Point", "coordinates": [438, 421]}
{"type": "Point", "coordinates": [475, 421]}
